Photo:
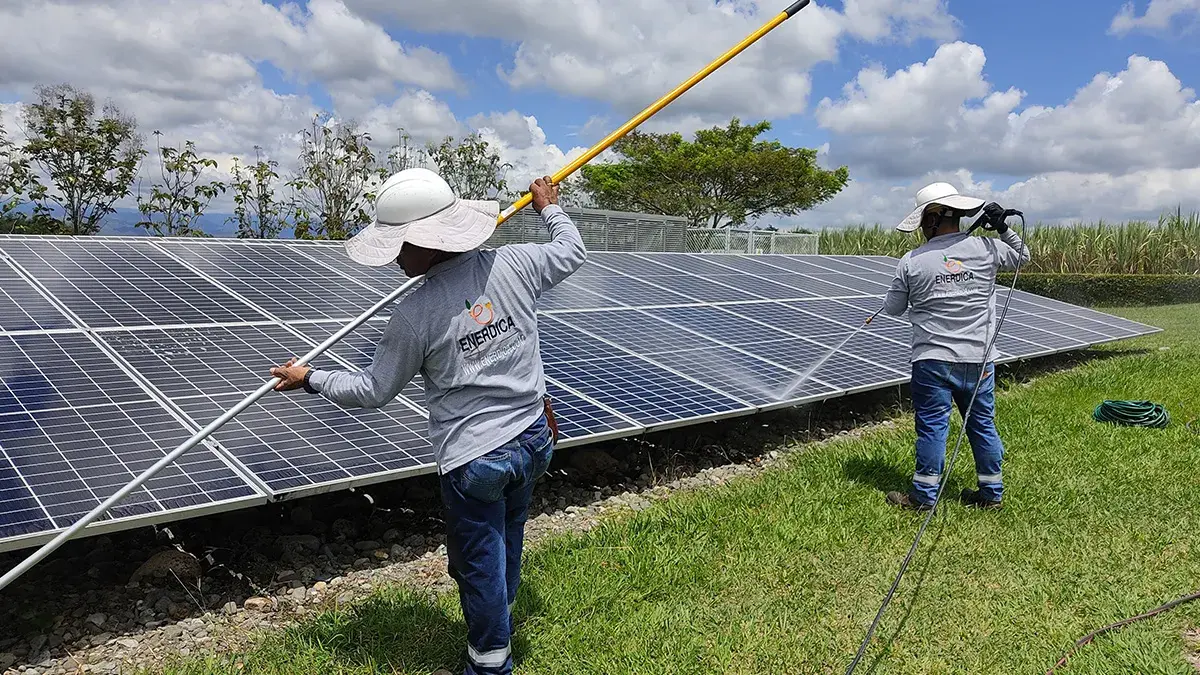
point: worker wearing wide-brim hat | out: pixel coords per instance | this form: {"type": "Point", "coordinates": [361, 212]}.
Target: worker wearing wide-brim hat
{"type": "Point", "coordinates": [471, 331]}
{"type": "Point", "coordinates": [946, 285]}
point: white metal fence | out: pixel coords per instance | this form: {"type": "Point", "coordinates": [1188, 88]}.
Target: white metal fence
{"type": "Point", "coordinates": [703, 240]}
{"type": "Point", "coordinates": [624, 231]}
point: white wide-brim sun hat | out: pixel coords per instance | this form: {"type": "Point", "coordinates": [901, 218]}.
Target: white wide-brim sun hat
{"type": "Point", "coordinates": [943, 194]}
{"type": "Point", "coordinates": [417, 206]}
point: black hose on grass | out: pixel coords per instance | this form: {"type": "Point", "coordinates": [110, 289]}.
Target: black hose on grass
{"type": "Point", "coordinates": [1120, 624]}
{"type": "Point", "coordinates": [1132, 414]}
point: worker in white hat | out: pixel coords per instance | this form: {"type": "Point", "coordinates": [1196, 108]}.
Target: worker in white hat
{"type": "Point", "coordinates": [945, 284]}
{"type": "Point", "coordinates": [471, 331]}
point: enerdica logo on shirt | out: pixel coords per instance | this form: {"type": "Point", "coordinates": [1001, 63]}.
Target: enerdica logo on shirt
{"type": "Point", "coordinates": [484, 314]}
{"type": "Point", "coordinates": [956, 272]}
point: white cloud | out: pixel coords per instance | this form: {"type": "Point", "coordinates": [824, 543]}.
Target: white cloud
{"type": "Point", "coordinates": [1052, 197]}
{"type": "Point", "coordinates": [942, 114]}
{"type": "Point", "coordinates": [521, 142]}
{"type": "Point", "coordinates": [631, 52]}
{"type": "Point", "coordinates": [191, 67]}
{"type": "Point", "coordinates": [1158, 17]}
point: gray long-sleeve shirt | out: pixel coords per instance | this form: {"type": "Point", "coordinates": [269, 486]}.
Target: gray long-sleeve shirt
{"type": "Point", "coordinates": [471, 331]}
{"type": "Point", "coordinates": [947, 283]}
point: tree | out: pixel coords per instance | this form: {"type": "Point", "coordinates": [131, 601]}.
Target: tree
{"type": "Point", "coordinates": [332, 197]}
{"type": "Point", "coordinates": [405, 155]}
{"type": "Point", "coordinates": [470, 166]}
{"type": "Point", "coordinates": [90, 161]}
{"type": "Point", "coordinates": [256, 211]}
{"type": "Point", "coordinates": [723, 178]}
{"type": "Point", "coordinates": [15, 182]}
{"type": "Point", "coordinates": [175, 204]}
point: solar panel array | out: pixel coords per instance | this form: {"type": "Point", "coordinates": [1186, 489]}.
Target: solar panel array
{"type": "Point", "coordinates": [115, 350]}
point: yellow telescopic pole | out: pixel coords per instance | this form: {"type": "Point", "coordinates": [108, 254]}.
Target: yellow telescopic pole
{"type": "Point", "coordinates": [658, 105]}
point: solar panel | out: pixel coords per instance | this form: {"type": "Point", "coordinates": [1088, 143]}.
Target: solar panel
{"type": "Point", "coordinates": [60, 370]}
{"type": "Point", "coordinates": [635, 331]}
{"type": "Point", "coordinates": [113, 283]}
{"type": "Point", "coordinates": [581, 419]}
{"type": "Point", "coordinates": [627, 291]}
{"type": "Point", "coordinates": [842, 370]}
{"type": "Point", "coordinates": [569, 296]}
{"type": "Point", "coordinates": [290, 441]}
{"type": "Point", "coordinates": [23, 307]}
{"type": "Point", "coordinates": [301, 444]}
{"type": "Point", "coordinates": [785, 317]}
{"type": "Point", "coordinates": [74, 428]}
{"type": "Point", "coordinates": [650, 395]}
{"type": "Point", "coordinates": [750, 379]}
{"type": "Point", "coordinates": [630, 343]}
{"type": "Point", "coordinates": [719, 323]}
{"type": "Point", "coordinates": [274, 277]}
{"type": "Point", "coordinates": [384, 279]}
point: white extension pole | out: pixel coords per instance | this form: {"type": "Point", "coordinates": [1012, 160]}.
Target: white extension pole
{"type": "Point", "coordinates": [195, 440]}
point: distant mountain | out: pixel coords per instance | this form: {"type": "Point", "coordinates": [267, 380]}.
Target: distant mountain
{"type": "Point", "coordinates": [123, 223]}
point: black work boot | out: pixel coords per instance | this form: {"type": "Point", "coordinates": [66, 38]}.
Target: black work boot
{"type": "Point", "coordinates": [972, 498]}
{"type": "Point", "coordinates": [906, 501]}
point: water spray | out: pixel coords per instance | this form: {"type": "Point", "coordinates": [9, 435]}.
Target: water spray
{"type": "Point", "coordinates": [821, 361]}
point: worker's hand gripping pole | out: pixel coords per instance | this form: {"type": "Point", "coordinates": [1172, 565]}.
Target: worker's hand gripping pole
{"type": "Point", "coordinates": [562, 174]}
{"type": "Point", "coordinates": [195, 440]}
{"type": "Point", "coordinates": [658, 105]}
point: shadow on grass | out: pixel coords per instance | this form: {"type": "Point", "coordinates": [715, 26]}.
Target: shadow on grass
{"type": "Point", "coordinates": [398, 631]}
{"type": "Point", "coordinates": [876, 473]}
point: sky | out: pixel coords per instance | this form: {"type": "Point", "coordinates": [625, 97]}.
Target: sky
{"type": "Point", "coordinates": [1071, 110]}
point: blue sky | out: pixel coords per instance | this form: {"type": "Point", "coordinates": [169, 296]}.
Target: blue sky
{"type": "Point", "coordinates": [930, 102]}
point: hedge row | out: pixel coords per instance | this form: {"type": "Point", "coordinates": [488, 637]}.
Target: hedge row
{"type": "Point", "coordinates": [1114, 290]}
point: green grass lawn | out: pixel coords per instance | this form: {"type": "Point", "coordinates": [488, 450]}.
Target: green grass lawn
{"type": "Point", "coordinates": [782, 573]}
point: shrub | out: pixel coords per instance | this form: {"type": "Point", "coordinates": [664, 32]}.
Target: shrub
{"type": "Point", "coordinates": [1112, 290]}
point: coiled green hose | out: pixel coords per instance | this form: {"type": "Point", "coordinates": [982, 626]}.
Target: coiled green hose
{"type": "Point", "coordinates": [1132, 414]}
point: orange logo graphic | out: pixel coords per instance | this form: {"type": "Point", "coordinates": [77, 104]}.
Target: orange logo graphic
{"type": "Point", "coordinates": [482, 314]}
{"type": "Point", "coordinates": [952, 266]}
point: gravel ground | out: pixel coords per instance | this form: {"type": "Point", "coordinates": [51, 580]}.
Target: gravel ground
{"type": "Point", "coordinates": [112, 603]}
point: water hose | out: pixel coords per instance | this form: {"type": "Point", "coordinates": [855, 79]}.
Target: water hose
{"type": "Point", "coordinates": [1132, 414]}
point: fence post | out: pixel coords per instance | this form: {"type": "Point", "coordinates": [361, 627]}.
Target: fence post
{"type": "Point", "coordinates": [729, 239]}
{"type": "Point", "coordinates": [773, 233]}
{"type": "Point", "coordinates": [750, 241]}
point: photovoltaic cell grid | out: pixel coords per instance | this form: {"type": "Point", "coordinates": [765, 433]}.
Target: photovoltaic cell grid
{"type": "Point", "coordinates": [290, 441]}
{"type": "Point", "coordinates": [110, 283]}
{"type": "Point", "coordinates": [280, 280]}
{"type": "Point", "coordinates": [718, 335]}
{"type": "Point", "coordinates": [22, 307]}
{"type": "Point", "coordinates": [74, 429]}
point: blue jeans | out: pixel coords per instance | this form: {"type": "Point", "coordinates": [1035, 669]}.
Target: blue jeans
{"type": "Point", "coordinates": [935, 385]}
{"type": "Point", "coordinates": [487, 504]}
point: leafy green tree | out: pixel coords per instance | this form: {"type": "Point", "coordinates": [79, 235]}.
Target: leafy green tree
{"type": "Point", "coordinates": [89, 159]}
{"type": "Point", "coordinates": [332, 189]}
{"type": "Point", "coordinates": [178, 201]}
{"type": "Point", "coordinates": [725, 177]}
{"type": "Point", "coordinates": [15, 182]}
{"type": "Point", "coordinates": [470, 166]}
{"type": "Point", "coordinates": [256, 211]}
